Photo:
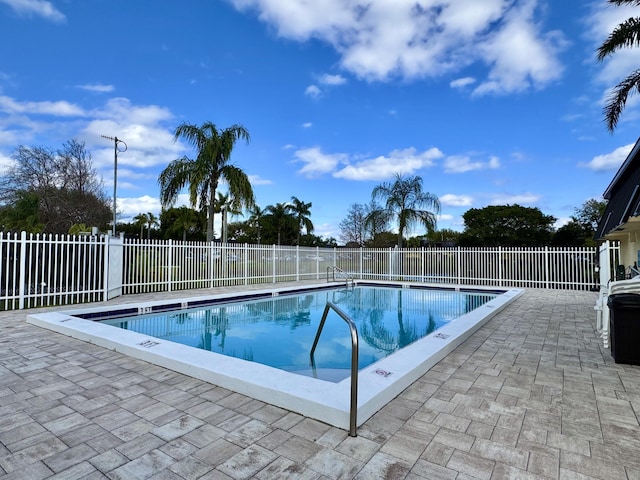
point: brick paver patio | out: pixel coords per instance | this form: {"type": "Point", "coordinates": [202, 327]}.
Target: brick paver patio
{"type": "Point", "coordinates": [531, 395]}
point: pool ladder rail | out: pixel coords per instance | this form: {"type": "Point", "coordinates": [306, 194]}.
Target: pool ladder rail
{"type": "Point", "coordinates": [347, 276]}
{"type": "Point", "coordinates": [353, 409]}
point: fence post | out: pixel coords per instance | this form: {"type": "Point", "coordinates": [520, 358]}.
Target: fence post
{"type": "Point", "coordinates": [459, 277]}
{"type": "Point", "coordinates": [273, 261]}
{"type": "Point", "coordinates": [170, 265]}
{"type": "Point", "coordinates": [500, 265]}
{"type": "Point", "coordinates": [105, 268]}
{"type": "Point", "coordinates": [546, 266]}
{"type": "Point", "coordinates": [246, 263]}
{"type": "Point", "coordinates": [23, 268]}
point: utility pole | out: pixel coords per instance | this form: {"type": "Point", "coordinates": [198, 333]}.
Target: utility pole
{"type": "Point", "coordinates": [123, 148]}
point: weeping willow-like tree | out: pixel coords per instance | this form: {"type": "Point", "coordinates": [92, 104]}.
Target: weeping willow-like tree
{"type": "Point", "coordinates": [203, 173]}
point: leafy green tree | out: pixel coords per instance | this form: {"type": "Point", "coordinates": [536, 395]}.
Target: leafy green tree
{"type": "Point", "coordinates": [624, 35]}
{"type": "Point", "coordinates": [405, 201]}
{"type": "Point", "coordinates": [573, 234]}
{"type": "Point", "coordinates": [22, 215]}
{"type": "Point", "coordinates": [203, 174]}
{"type": "Point", "coordinates": [444, 237]}
{"type": "Point", "coordinates": [183, 223]}
{"type": "Point", "coordinates": [382, 240]}
{"type": "Point", "coordinates": [279, 223]}
{"type": "Point", "coordinates": [65, 187]}
{"type": "Point", "coordinates": [580, 231]}
{"type": "Point", "coordinates": [507, 226]}
{"type": "Point", "coordinates": [590, 213]}
{"type": "Point", "coordinates": [302, 212]}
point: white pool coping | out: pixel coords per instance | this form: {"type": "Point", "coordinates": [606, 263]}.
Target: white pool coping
{"type": "Point", "coordinates": [326, 401]}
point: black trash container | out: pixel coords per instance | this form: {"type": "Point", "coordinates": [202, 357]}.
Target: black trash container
{"type": "Point", "coordinates": [624, 327]}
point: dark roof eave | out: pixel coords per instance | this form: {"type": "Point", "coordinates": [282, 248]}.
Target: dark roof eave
{"type": "Point", "coordinates": [620, 173]}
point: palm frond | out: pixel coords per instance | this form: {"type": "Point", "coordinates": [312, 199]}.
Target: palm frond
{"type": "Point", "coordinates": [626, 34]}
{"type": "Point", "coordinates": [618, 98]}
{"type": "Point", "coordinates": [622, 2]}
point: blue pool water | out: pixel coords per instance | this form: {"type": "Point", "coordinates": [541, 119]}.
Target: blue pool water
{"type": "Point", "coordinates": [279, 331]}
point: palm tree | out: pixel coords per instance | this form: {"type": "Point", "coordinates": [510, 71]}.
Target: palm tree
{"type": "Point", "coordinates": [280, 213]}
{"type": "Point", "coordinates": [226, 206]}
{"type": "Point", "coordinates": [404, 200]}
{"type": "Point", "coordinates": [204, 173]}
{"type": "Point", "coordinates": [183, 220]}
{"type": "Point", "coordinates": [626, 34]}
{"type": "Point", "coordinates": [140, 220]}
{"type": "Point", "coordinates": [152, 221]}
{"type": "Point", "coordinates": [301, 211]}
{"type": "Point", "coordinates": [256, 214]}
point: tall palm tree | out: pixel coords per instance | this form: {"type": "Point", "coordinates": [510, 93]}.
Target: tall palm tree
{"type": "Point", "coordinates": [280, 214]}
{"type": "Point", "coordinates": [626, 34]}
{"type": "Point", "coordinates": [226, 206]}
{"type": "Point", "coordinates": [405, 201]}
{"type": "Point", "coordinates": [152, 221]}
{"type": "Point", "coordinates": [204, 173]}
{"type": "Point", "coordinates": [256, 214]}
{"type": "Point", "coordinates": [141, 221]}
{"type": "Point", "coordinates": [301, 211]}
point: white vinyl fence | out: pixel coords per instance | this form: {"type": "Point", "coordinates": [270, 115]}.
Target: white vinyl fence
{"type": "Point", "coordinates": [46, 270]}
{"type": "Point", "coordinates": [166, 265]}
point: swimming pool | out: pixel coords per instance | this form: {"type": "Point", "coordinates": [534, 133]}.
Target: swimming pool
{"type": "Point", "coordinates": [325, 398]}
{"type": "Point", "coordinates": [279, 331]}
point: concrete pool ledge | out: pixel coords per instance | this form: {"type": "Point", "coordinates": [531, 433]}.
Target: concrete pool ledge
{"type": "Point", "coordinates": [323, 400]}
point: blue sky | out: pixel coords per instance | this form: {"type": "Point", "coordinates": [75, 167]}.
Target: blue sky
{"type": "Point", "coordinates": [489, 101]}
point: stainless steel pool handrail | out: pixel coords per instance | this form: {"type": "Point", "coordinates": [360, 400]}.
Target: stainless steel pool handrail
{"type": "Point", "coordinates": [347, 276]}
{"type": "Point", "coordinates": [353, 409]}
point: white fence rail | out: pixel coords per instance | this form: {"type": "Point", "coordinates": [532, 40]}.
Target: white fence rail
{"type": "Point", "coordinates": [45, 270]}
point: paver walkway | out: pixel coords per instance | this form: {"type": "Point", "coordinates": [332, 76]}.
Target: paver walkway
{"type": "Point", "coordinates": [530, 395]}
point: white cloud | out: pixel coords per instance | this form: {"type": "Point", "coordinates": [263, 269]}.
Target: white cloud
{"type": "Point", "coordinates": [510, 199]}
{"type": "Point", "coordinates": [312, 91]}
{"type": "Point", "coordinates": [58, 108]}
{"type": "Point", "coordinates": [462, 82]}
{"type": "Point", "coordinates": [97, 87]}
{"type": "Point", "coordinates": [307, 125]}
{"type": "Point", "coordinates": [142, 127]}
{"type": "Point", "coordinates": [257, 180]}
{"type": "Point", "coordinates": [561, 222]}
{"type": "Point", "coordinates": [404, 162]}
{"type": "Point", "coordinates": [328, 79]}
{"type": "Point", "coordinates": [5, 162]}
{"type": "Point", "coordinates": [41, 8]}
{"type": "Point", "coordinates": [388, 39]}
{"type": "Point", "coordinates": [128, 208]}
{"type": "Point", "coordinates": [520, 57]}
{"type": "Point", "coordinates": [316, 162]}
{"type": "Point", "coordinates": [462, 164]}
{"type": "Point", "coordinates": [609, 161]}
{"type": "Point", "coordinates": [456, 200]}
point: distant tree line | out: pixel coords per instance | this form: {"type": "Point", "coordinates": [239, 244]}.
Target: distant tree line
{"type": "Point", "coordinates": [58, 191]}
{"type": "Point", "coordinates": [495, 225]}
